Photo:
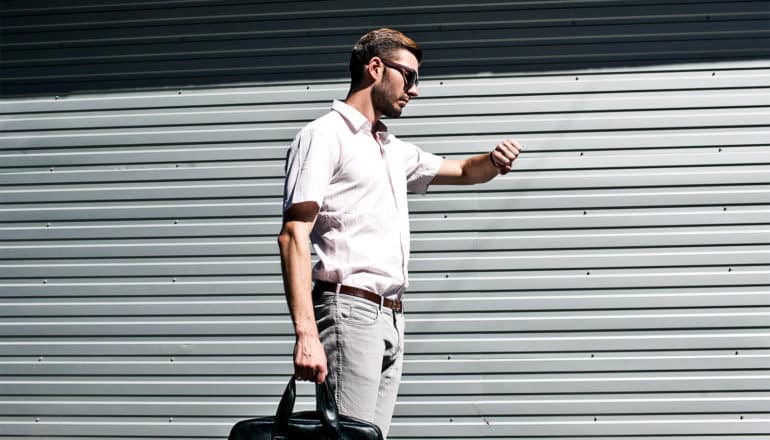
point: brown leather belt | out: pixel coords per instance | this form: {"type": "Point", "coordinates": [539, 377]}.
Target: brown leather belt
{"type": "Point", "coordinates": [325, 286]}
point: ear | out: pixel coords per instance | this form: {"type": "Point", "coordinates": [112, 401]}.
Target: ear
{"type": "Point", "coordinates": [375, 69]}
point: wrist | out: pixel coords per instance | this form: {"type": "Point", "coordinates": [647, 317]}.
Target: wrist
{"type": "Point", "coordinates": [492, 159]}
{"type": "Point", "coordinates": [305, 330]}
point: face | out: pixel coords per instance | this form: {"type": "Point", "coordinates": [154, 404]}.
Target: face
{"type": "Point", "coordinates": [389, 96]}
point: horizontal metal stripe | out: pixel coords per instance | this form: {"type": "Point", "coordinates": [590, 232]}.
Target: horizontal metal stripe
{"type": "Point", "coordinates": [705, 140]}
{"type": "Point", "coordinates": [724, 196]}
{"type": "Point", "coordinates": [274, 307]}
{"type": "Point", "coordinates": [592, 279]}
{"type": "Point", "coordinates": [500, 261]}
{"type": "Point", "coordinates": [143, 288]}
{"type": "Point", "coordinates": [120, 185]}
{"type": "Point", "coordinates": [496, 281]}
{"type": "Point", "coordinates": [292, 19]}
{"type": "Point", "coordinates": [468, 323]}
{"type": "Point", "coordinates": [457, 385]}
{"type": "Point", "coordinates": [216, 41]}
{"type": "Point", "coordinates": [532, 170]}
{"type": "Point", "coordinates": [591, 83]}
{"type": "Point", "coordinates": [178, 367]}
{"type": "Point", "coordinates": [563, 166]}
{"type": "Point", "coordinates": [317, 65]}
{"type": "Point", "coordinates": [114, 189]}
{"type": "Point", "coordinates": [457, 242]}
{"type": "Point", "coordinates": [425, 344]}
{"type": "Point", "coordinates": [426, 222]}
{"type": "Point", "coordinates": [591, 199]}
{"type": "Point", "coordinates": [685, 426]}
{"type": "Point", "coordinates": [631, 120]}
{"type": "Point", "coordinates": [424, 107]}
{"type": "Point", "coordinates": [409, 407]}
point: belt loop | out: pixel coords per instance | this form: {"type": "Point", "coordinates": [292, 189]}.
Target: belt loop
{"type": "Point", "coordinates": [382, 302]}
{"type": "Point", "coordinates": [337, 291]}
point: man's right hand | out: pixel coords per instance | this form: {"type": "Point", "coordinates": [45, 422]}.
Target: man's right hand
{"type": "Point", "coordinates": [309, 359]}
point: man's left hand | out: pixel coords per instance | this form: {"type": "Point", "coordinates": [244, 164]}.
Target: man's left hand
{"type": "Point", "coordinates": [504, 154]}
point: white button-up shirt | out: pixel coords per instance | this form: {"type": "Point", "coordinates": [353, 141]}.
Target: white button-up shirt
{"type": "Point", "coordinates": [359, 180]}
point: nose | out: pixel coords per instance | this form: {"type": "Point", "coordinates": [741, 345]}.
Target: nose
{"type": "Point", "coordinates": [413, 92]}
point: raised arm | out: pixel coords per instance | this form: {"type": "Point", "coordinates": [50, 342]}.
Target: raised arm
{"type": "Point", "coordinates": [293, 241]}
{"type": "Point", "coordinates": [478, 169]}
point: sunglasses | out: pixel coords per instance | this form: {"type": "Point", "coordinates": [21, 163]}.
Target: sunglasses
{"type": "Point", "coordinates": [411, 78]}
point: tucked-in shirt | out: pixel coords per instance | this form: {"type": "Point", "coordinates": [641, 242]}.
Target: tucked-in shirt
{"type": "Point", "coordinates": [359, 180]}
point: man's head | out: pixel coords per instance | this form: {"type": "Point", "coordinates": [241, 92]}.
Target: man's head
{"type": "Point", "coordinates": [383, 43]}
{"type": "Point", "coordinates": [385, 62]}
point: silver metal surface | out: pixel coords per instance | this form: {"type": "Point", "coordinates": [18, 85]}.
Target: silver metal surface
{"type": "Point", "coordinates": [616, 285]}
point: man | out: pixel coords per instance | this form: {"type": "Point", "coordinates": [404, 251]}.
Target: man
{"type": "Point", "coordinates": [346, 183]}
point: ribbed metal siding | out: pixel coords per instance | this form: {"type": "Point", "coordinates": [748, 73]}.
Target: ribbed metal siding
{"type": "Point", "coordinates": [616, 285]}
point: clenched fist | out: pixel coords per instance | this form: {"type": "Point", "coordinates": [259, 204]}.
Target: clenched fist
{"type": "Point", "coordinates": [504, 154]}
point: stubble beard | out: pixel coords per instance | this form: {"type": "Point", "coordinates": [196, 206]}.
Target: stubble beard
{"type": "Point", "coordinates": [386, 102]}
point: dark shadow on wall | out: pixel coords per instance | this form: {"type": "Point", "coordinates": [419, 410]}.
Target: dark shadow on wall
{"type": "Point", "coordinates": [53, 47]}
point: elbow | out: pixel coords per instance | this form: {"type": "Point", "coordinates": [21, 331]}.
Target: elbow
{"type": "Point", "coordinates": [291, 237]}
{"type": "Point", "coordinates": [284, 241]}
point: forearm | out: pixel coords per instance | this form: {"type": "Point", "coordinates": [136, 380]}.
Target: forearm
{"type": "Point", "coordinates": [479, 169]}
{"type": "Point", "coordinates": [297, 282]}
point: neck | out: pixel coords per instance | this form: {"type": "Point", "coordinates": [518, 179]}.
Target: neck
{"type": "Point", "coordinates": [361, 100]}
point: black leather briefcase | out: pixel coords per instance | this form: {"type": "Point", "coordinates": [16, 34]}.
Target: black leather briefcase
{"type": "Point", "coordinates": [325, 423]}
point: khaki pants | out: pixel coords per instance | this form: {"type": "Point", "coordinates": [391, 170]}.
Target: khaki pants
{"type": "Point", "coordinates": [365, 352]}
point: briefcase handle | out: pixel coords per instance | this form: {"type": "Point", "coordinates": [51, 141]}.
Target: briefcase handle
{"type": "Point", "coordinates": [324, 404]}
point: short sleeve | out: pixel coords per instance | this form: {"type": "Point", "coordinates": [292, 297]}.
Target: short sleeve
{"type": "Point", "coordinates": [310, 164]}
{"type": "Point", "coordinates": [421, 167]}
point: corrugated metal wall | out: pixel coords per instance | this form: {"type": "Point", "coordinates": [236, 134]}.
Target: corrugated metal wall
{"type": "Point", "coordinates": [617, 285]}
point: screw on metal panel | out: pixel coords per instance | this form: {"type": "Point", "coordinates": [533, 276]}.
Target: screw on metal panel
{"type": "Point", "coordinates": [173, 280]}
{"type": "Point", "coordinates": [37, 419]}
{"type": "Point", "coordinates": [179, 92]}
{"type": "Point", "coordinates": [588, 273]}
{"type": "Point", "coordinates": [581, 153]}
{"type": "Point", "coordinates": [729, 269]}
{"type": "Point", "coordinates": [40, 359]}
{"type": "Point", "coordinates": [585, 212]}
{"type": "Point", "coordinates": [724, 209]}
{"type": "Point", "coordinates": [50, 169]}
{"type": "Point", "coordinates": [577, 78]}
{"type": "Point", "coordinates": [170, 419]}
{"type": "Point", "coordinates": [56, 98]}
{"type": "Point", "coordinates": [592, 355]}
{"type": "Point", "coordinates": [45, 281]}
{"type": "Point", "coordinates": [47, 225]}
{"type": "Point", "coordinates": [736, 353]}
{"type": "Point", "coordinates": [596, 419]}
{"type": "Point", "coordinates": [176, 222]}
{"type": "Point", "coordinates": [171, 359]}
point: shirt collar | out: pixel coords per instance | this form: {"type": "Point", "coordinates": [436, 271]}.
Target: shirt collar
{"type": "Point", "coordinates": [356, 121]}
